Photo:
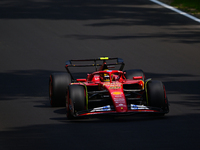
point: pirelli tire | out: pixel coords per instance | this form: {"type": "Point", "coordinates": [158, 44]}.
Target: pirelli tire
{"type": "Point", "coordinates": [129, 74]}
{"type": "Point", "coordinates": [58, 83]}
{"type": "Point", "coordinates": [156, 96]}
{"type": "Point", "coordinates": [76, 100]}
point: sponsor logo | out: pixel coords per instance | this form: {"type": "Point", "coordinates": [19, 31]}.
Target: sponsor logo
{"type": "Point", "coordinates": [96, 78]}
{"type": "Point", "coordinates": [115, 87]}
{"type": "Point", "coordinates": [117, 93]}
{"type": "Point", "coordinates": [106, 108]}
{"type": "Point", "coordinates": [112, 84]}
{"type": "Point", "coordinates": [118, 96]}
{"type": "Point", "coordinates": [134, 107]}
{"type": "Point", "coordinates": [119, 100]}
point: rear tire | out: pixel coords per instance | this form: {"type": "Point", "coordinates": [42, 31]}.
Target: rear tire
{"type": "Point", "coordinates": [58, 83]}
{"type": "Point", "coordinates": [129, 74]}
{"type": "Point", "coordinates": [76, 100]}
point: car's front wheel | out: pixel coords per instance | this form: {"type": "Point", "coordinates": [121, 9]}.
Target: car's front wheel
{"type": "Point", "coordinates": [156, 95]}
{"type": "Point", "coordinates": [76, 100]}
{"type": "Point", "coordinates": [58, 83]}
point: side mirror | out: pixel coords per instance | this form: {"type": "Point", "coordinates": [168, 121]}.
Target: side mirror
{"type": "Point", "coordinates": [137, 77]}
{"type": "Point", "coordinates": [81, 80]}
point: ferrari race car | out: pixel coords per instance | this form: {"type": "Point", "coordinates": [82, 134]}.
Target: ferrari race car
{"type": "Point", "coordinates": [106, 91]}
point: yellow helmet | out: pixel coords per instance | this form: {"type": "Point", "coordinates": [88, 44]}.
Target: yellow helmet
{"type": "Point", "coordinates": [105, 77]}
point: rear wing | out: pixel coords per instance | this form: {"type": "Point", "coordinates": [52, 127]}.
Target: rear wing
{"type": "Point", "coordinates": [101, 61]}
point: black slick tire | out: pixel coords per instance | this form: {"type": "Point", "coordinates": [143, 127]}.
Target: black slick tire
{"type": "Point", "coordinates": [76, 100]}
{"type": "Point", "coordinates": [156, 94]}
{"type": "Point", "coordinates": [58, 83]}
{"type": "Point", "coordinates": [129, 74]}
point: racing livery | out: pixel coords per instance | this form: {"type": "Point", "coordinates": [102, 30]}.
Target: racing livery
{"type": "Point", "coordinates": [107, 91]}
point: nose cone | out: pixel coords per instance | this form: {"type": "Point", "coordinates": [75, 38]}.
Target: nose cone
{"type": "Point", "coordinates": [119, 101]}
{"type": "Point", "coordinates": [117, 95]}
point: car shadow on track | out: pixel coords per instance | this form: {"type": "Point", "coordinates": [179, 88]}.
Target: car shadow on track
{"type": "Point", "coordinates": [26, 83]}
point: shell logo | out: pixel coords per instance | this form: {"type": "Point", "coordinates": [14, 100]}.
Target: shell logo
{"type": "Point", "coordinates": [117, 93]}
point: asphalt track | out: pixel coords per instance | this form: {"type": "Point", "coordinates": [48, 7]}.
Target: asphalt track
{"type": "Point", "coordinates": [38, 36]}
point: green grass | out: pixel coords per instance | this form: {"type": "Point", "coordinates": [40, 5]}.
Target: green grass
{"type": "Point", "coordinates": [191, 6]}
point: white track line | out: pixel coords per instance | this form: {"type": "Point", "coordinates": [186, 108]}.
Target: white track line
{"type": "Point", "coordinates": [176, 10]}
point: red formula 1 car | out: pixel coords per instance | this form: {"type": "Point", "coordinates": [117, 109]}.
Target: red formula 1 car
{"type": "Point", "coordinates": [107, 91]}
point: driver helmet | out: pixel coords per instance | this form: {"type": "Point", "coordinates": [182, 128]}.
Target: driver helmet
{"type": "Point", "coordinates": [106, 77]}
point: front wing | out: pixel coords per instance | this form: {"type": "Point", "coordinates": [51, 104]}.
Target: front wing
{"type": "Point", "coordinates": [133, 109]}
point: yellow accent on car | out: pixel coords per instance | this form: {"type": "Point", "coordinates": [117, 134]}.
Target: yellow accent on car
{"type": "Point", "coordinates": [104, 58]}
{"type": "Point", "coordinates": [116, 93]}
{"type": "Point", "coordinates": [146, 91]}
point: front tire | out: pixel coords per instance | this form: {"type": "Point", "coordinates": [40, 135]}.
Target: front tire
{"type": "Point", "coordinates": [76, 100]}
{"type": "Point", "coordinates": [58, 83]}
{"type": "Point", "coordinates": [156, 96]}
